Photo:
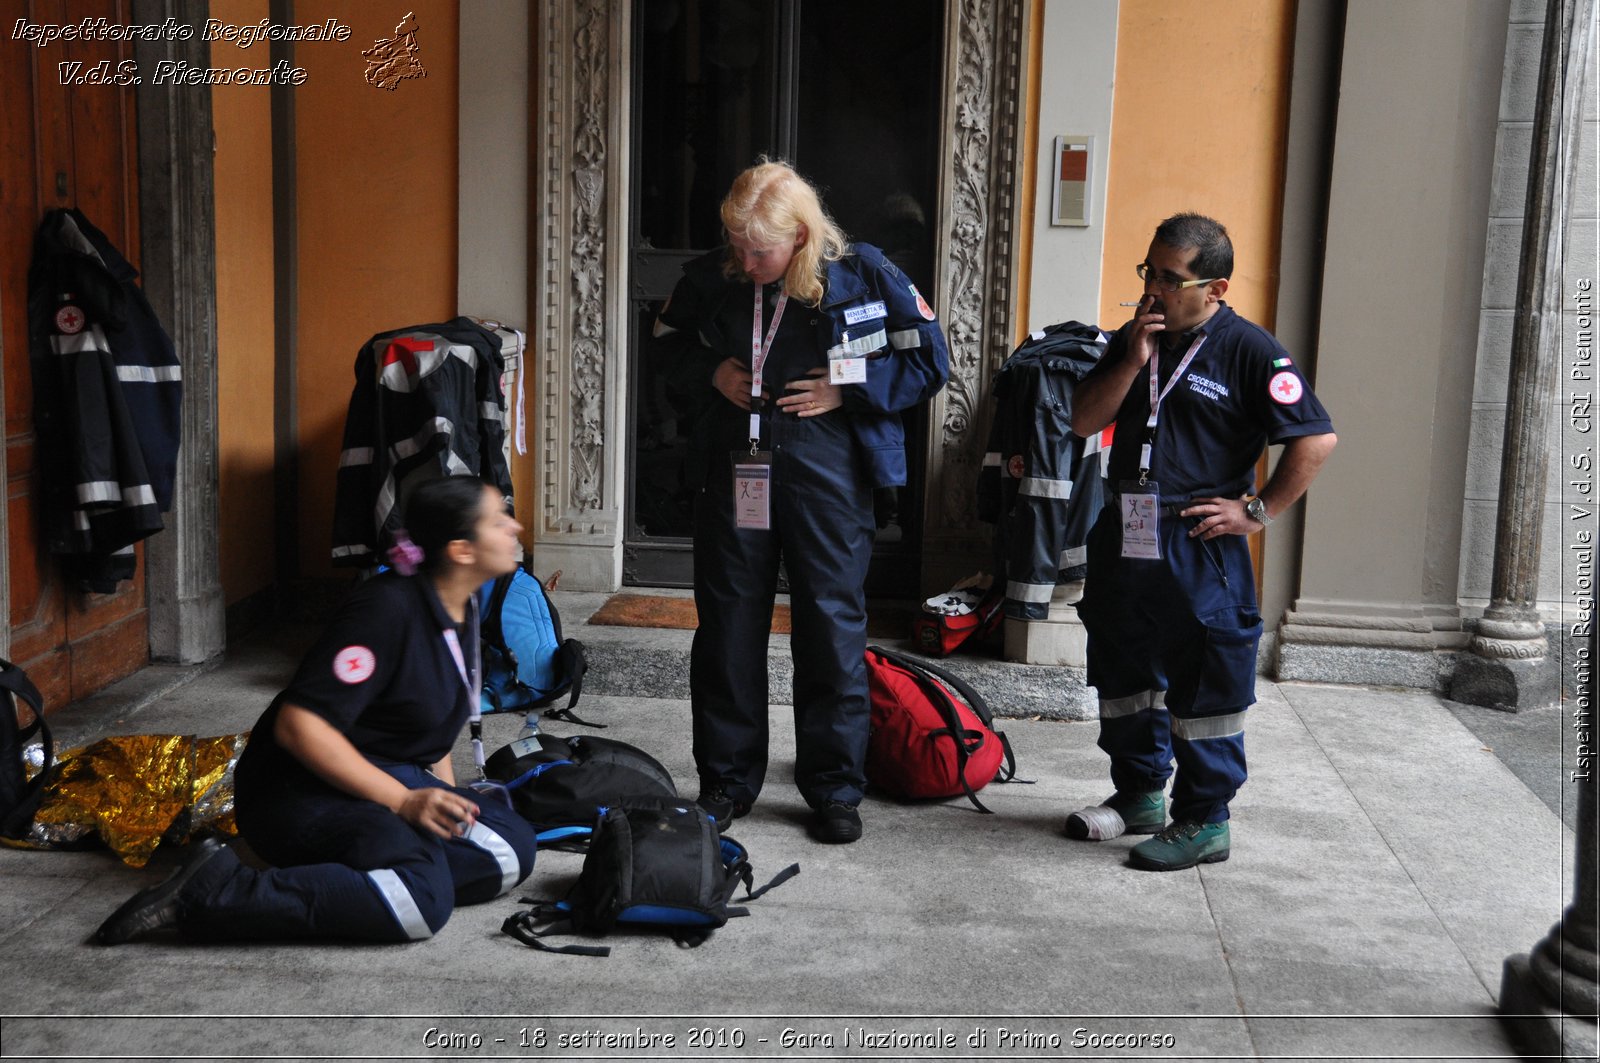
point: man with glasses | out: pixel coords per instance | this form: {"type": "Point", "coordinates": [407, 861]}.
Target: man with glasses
{"type": "Point", "coordinates": [1197, 393]}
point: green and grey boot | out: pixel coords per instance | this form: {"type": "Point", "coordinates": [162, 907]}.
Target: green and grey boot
{"type": "Point", "coordinates": [1182, 845]}
{"type": "Point", "coordinates": [1121, 813]}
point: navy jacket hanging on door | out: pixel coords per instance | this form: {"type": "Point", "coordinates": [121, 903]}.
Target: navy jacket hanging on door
{"type": "Point", "coordinates": [107, 401]}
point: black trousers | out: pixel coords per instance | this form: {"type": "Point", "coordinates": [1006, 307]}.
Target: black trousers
{"type": "Point", "coordinates": [822, 532]}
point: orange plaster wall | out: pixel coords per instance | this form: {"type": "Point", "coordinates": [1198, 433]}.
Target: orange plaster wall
{"type": "Point", "coordinates": [242, 120]}
{"type": "Point", "coordinates": [1199, 123]}
{"type": "Point", "coordinates": [376, 177]}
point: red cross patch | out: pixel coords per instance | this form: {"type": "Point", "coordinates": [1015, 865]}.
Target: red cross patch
{"type": "Point", "coordinates": [922, 304]}
{"type": "Point", "coordinates": [1285, 388]}
{"type": "Point", "coordinates": [70, 320]}
{"type": "Point", "coordinates": [354, 664]}
{"type": "Point", "coordinates": [1015, 467]}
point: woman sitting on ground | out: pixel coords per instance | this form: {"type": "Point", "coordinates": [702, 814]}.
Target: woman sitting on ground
{"type": "Point", "coordinates": [346, 786]}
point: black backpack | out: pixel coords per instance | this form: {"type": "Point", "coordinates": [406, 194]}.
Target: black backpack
{"type": "Point", "coordinates": [651, 865]}
{"type": "Point", "coordinates": [20, 795]}
{"type": "Point", "coordinates": [561, 784]}
{"type": "Point", "coordinates": [526, 662]}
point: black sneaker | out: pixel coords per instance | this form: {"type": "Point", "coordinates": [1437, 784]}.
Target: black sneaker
{"type": "Point", "coordinates": [720, 807]}
{"type": "Point", "coordinates": [157, 906]}
{"type": "Point", "coordinates": [836, 823]}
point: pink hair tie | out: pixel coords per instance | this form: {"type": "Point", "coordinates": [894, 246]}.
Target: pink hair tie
{"type": "Point", "coordinates": [404, 555]}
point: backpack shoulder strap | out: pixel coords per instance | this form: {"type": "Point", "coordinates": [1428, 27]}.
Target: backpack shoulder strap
{"type": "Point", "coordinates": [940, 698]}
{"type": "Point", "coordinates": [777, 880]}
{"type": "Point", "coordinates": [489, 627]}
{"type": "Point", "coordinates": [973, 699]}
{"type": "Point", "coordinates": [574, 663]}
{"type": "Point", "coordinates": [521, 926]}
{"type": "Point", "coordinates": [549, 602]}
{"type": "Point", "coordinates": [1008, 773]}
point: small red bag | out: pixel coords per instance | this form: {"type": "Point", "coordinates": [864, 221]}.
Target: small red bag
{"type": "Point", "coordinates": [932, 735]}
{"type": "Point", "coordinates": [941, 634]}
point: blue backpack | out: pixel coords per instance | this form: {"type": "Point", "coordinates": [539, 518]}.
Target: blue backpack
{"type": "Point", "coordinates": [526, 663]}
{"type": "Point", "coordinates": [652, 864]}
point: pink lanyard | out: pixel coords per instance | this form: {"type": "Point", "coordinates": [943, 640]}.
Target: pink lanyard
{"type": "Point", "coordinates": [758, 358]}
{"type": "Point", "coordinates": [472, 680]}
{"type": "Point", "coordinates": [1157, 394]}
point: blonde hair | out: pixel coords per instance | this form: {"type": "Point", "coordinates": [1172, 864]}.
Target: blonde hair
{"type": "Point", "coordinates": [769, 204]}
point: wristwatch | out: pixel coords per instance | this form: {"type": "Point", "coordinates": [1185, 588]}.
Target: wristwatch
{"type": "Point", "coordinates": [1256, 510]}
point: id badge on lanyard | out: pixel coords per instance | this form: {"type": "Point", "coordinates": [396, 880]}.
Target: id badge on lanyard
{"type": "Point", "coordinates": [752, 490]}
{"type": "Point", "coordinates": [845, 366]}
{"type": "Point", "coordinates": [1140, 503]}
{"type": "Point", "coordinates": [1139, 506]}
{"type": "Point", "coordinates": [759, 349]}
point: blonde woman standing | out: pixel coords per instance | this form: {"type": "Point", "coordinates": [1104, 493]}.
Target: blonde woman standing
{"type": "Point", "coordinates": [809, 348]}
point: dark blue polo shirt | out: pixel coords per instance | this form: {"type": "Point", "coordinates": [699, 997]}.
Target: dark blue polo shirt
{"type": "Point", "coordinates": [1241, 393]}
{"type": "Point", "coordinates": [383, 674]}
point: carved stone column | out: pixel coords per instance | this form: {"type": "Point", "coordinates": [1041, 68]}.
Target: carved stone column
{"type": "Point", "coordinates": [983, 59]}
{"type": "Point", "coordinates": [1509, 666]}
{"type": "Point", "coordinates": [178, 249]}
{"type": "Point", "coordinates": [1558, 983]}
{"type": "Point", "coordinates": [579, 335]}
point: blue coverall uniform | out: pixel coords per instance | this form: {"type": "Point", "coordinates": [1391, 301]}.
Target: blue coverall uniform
{"type": "Point", "coordinates": [1172, 642]}
{"type": "Point", "coordinates": [823, 473]}
{"type": "Point", "coordinates": [383, 674]}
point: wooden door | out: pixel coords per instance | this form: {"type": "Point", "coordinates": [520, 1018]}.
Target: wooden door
{"type": "Point", "coordinates": [64, 145]}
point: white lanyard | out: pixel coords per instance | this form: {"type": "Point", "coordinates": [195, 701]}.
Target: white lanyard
{"type": "Point", "coordinates": [1158, 393]}
{"type": "Point", "coordinates": [758, 358]}
{"type": "Point", "coordinates": [522, 420]}
{"type": "Point", "coordinates": [472, 680]}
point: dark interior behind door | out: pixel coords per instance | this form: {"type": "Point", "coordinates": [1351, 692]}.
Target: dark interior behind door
{"type": "Point", "coordinates": [850, 92]}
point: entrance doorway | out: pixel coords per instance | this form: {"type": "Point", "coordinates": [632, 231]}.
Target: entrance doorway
{"type": "Point", "coordinates": [848, 92]}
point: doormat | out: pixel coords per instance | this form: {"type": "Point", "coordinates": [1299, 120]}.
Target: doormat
{"type": "Point", "coordinates": [651, 610]}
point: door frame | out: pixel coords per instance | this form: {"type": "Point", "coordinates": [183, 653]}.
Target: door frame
{"type": "Point", "coordinates": [580, 287]}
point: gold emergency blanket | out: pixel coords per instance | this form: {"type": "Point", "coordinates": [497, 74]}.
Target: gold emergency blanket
{"type": "Point", "coordinates": [135, 791]}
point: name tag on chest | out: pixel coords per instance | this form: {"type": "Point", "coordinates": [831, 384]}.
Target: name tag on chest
{"type": "Point", "coordinates": [855, 315]}
{"type": "Point", "coordinates": [752, 499]}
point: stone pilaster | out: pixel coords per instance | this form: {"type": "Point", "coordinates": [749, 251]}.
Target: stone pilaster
{"type": "Point", "coordinates": [579, 370]}
{"type": "Point", "coordinates": [983, 52]}
{"type": "Point", "coordinates": [1510, 665]}
{"type": "Point", "coordinates": [178, 251]}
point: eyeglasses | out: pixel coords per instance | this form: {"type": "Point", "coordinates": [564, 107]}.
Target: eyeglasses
{"type": "Point", "coordinates": [1145, 273]}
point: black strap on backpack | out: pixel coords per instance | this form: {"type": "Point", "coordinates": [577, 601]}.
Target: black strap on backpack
{"type": "Point", "coordinates": [520, 925]}
{"type": "Point", "coordinates": [925, 674]}
{"type": "Point", "coordinates": [574, 662]}
{"type": "Point", "coordinates": [19, 795]}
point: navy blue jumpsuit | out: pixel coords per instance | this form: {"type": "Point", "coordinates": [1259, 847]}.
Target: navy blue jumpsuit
{"type": "Point", "coordinates": [383, 674]}
{"type": "Point", "coordinates": [824, 470]}
{"type": "Point", "coordinates": [1172, 642]}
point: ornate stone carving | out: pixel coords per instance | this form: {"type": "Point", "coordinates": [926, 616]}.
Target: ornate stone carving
{"type": "Point", "coordinates": [1508, 649]}
{"type": "Point", "coordinates": [976, 311]}
{"type": "Point", "coordinates": [591, 67]}
{"type": "Point", "coordinates": [1510, 634]}
{"type": "Point", "coordinates": [573, 315]}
